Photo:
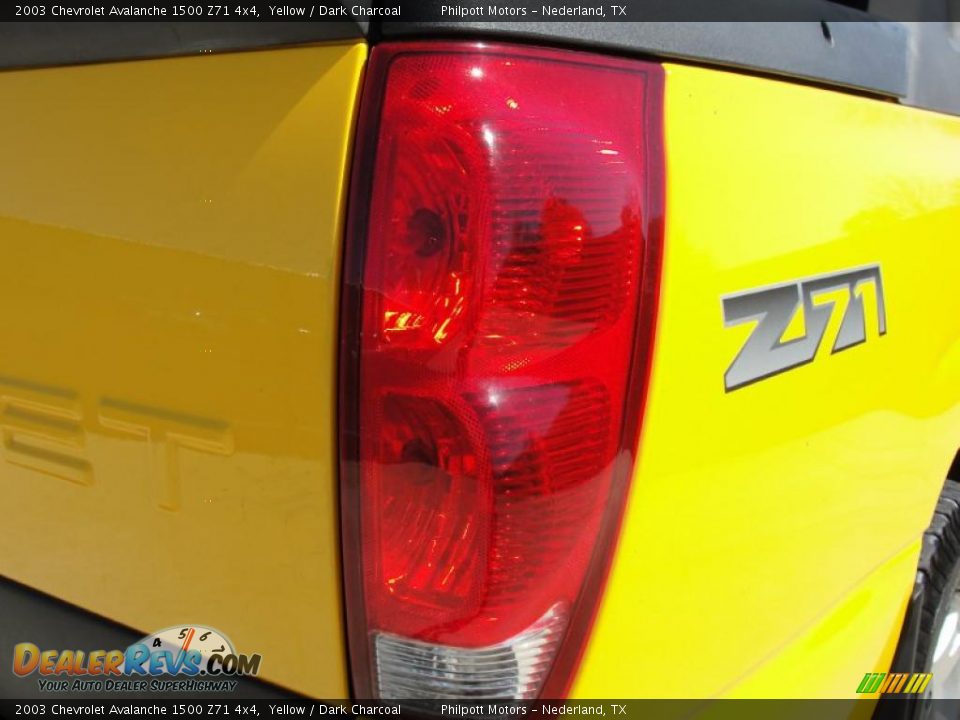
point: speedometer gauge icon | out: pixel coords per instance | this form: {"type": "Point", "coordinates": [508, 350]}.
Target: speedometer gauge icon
{"type": "Point", "coordinates": [182, 639]}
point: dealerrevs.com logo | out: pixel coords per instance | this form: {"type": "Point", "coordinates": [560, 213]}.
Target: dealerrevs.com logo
{"type": "Point", "coordinates": [186, 658]}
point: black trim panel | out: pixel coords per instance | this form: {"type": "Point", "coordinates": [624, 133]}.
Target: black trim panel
{"type": "Point", "coordinates": [858, 54]}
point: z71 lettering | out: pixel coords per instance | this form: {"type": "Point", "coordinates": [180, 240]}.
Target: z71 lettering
{"type": "Point", "coordinates": [766, 353]}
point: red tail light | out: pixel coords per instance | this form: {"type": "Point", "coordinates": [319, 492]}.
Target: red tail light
{"type": "Point", "coordinates": [500, 289]}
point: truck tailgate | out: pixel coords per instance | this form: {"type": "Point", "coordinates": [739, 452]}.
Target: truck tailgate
{"type": "Point", "coordinates": [169, 344]}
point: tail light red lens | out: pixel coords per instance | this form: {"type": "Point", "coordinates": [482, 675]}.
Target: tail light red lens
{"type": "Point", "coordinates": [500, 289]}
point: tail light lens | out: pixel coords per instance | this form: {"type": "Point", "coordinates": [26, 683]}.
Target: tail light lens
{"type": "Point", "coordinates": [500, 288]}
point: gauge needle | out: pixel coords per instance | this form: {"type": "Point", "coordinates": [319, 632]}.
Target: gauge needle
{"type": "Point", "coordinates": [186, 643]}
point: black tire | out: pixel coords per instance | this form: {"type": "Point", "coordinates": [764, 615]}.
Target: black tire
{"type": "Point", "coordinates": [940, 567]}
{"type": "Point", "coordinates": [938, 577]}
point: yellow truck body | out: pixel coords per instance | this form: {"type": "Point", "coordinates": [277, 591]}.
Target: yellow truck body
{"type": "Point", "coordinates": [171, 234]}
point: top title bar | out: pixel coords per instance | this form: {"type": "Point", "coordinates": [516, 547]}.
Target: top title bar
{"type": "Point", "coordinates": [433, 11]}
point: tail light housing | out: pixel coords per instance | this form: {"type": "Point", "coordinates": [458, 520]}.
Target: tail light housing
{"type": "Point", "coordinates": [500, 287]}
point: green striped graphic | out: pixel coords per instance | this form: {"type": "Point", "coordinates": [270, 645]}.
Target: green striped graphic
{"type": "Point", "coordinates": [871, 682]}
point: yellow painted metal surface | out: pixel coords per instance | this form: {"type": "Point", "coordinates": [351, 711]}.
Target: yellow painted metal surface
{"type": "Point", "coordinates": [169, 254]}
{"type": "Point", "coordinates": [771, 536]}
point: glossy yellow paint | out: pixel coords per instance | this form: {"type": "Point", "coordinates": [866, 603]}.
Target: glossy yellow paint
{"type": "Point", "coordinates": [170, 234]}
{"type": "Point", "coordinates": [771, 536]}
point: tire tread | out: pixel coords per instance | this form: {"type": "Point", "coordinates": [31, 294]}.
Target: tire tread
{"type": "Point", "coordinates": [939, 555]}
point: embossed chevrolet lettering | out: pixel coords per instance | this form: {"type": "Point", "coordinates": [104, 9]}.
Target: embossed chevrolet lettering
{"type": "Point", "coordinates": [767, 353]}
{"type": "Point", "coordinates": [42, 429]}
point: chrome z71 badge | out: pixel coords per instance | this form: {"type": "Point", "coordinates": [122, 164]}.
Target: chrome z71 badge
{"type": "Point", "coordinates": [766, 353]}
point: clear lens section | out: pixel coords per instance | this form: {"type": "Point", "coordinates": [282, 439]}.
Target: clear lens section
{"type": "Point", "coordinates": [515, 668]}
